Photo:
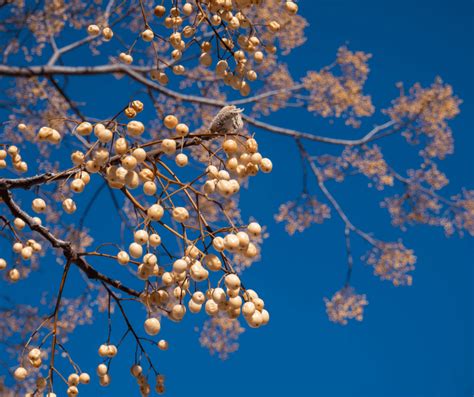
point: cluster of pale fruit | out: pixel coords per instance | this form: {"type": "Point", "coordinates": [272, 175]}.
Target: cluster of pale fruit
{"type": "Point", "coordinates": [41, 383]}
{"type": "Point", "coordinates": [237, 37]}
{"type": "Point", "coordinates": [18, 163]}
{"type": "Point", "coordinates": [117, 157]}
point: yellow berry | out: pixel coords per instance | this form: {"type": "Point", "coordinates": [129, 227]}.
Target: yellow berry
{"type": "Point", "coordinates": [148, 35]}
{"type": "Point", "coordinates": [20, 374]}
{"type": "Point", "coordinates": [152, 326]}
{"type": "Point", "coordinates": [163, 345]}
{"type": "Point", "coordinates": [182, 129]}
{"type": "Point", "coordinates": [159, 11]}
{"type": "Point", "coordinates": [181, 160]}
{"type": "Point", "coordinates": [93, 30]}
{"type": "Point", "coordinates": [170, 121]}
{"type": "Point", "coordinates": [107, 33]}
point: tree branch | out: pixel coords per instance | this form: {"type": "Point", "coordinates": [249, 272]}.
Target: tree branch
{"type": "Point", "coordinates": [135, 73]}
{"type": "Point", "coordinates": [66, 246]}
{"type": "Point", "coordinates": [320, 180]}
{"type": "Point", "coordinates": [29, 182]}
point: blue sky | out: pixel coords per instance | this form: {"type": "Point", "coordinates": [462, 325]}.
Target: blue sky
{"type": "Point", "coordinates": [414, 341]}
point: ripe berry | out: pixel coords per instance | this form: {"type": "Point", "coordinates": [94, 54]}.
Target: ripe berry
{"type": "Point", "coordinates": [135, 128]}
{"type": "Point", "coordinates": [180, 214]}
{"type": "Point", "coordinates": [148, 35]}
{"type": "Point", "coordinates": [152, 326]}
{"type": "Point", "coordinates": [38, 205]}
{"type": "Point", "coordinates": [163, 345]}
{"type": "Point", "coordinates": [107, 33]}
{"type": "Point", "coordinates": [170, 121]}
{"type": "Point", "coordinates": [168, 146]}
{"type": "Point", "coordinates": [182, 129]}
{"type": "Point", "coordinates": [69, 206]}
{"type": "Point", "coordinates": [20, 374]}
{"type": "Point", "coordinates": [181, 160]}
{"type": "Point", "coordinates": [93, 30]}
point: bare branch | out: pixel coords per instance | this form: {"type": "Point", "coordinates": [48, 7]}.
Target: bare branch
{"type": "Point", "coordinates": [135, 73]}
{"type": "Point", "coordinates": [65, 246]}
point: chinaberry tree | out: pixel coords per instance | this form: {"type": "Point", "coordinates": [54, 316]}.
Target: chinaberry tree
{"type": "Point", "coordinates": [192, 85]}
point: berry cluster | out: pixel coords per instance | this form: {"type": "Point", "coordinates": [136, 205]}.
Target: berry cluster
{"type": "Point", "coordinates": [120, 154]}
{"type": "Point", "coordinates": [184, 28]}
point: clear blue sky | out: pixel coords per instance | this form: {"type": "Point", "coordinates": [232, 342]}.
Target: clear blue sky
{"type": "Point", "coordinates": [414, 341]}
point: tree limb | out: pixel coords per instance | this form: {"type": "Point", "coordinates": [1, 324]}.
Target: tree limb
{"type": "Point", "coordinates": [66, 246]}
{"type": "Point", "coordinates": [135, 73]}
